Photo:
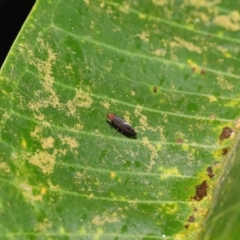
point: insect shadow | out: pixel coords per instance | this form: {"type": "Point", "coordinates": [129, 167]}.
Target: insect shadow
{"type": "Point", "coordinates": [126, 134]}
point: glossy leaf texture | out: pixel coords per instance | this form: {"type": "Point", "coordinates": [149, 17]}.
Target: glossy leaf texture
{"type": "Point", "coordinates": [169, 69]}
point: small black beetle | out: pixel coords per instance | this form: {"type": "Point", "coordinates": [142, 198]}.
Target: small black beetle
{"type": "Point", "coordinates": [121, 125]}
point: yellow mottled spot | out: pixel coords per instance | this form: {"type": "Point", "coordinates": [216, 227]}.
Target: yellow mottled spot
{"type": "Point", "coordinates": [170, 209]}
{"type": "Point", "coordinates": [68, 67]}
{"type": "Point", "coordinates": [78, 126]}
{"type": "Point", "coordinates": [112, 194]}
{"type": "Point", "coordinates": [132, 93]}
{"type": "Point", "coordinates": [190, 26]}
{"type": "Point", "coordinates": [222, 49]}
{"type": "Point", "coordinates": [105, 218]}
{"type": "Point", "coordinates": [47, 142]}
{"type": "Point", "coordinates": [180, 236]}
{"type": "Point", "coordinates": [160, 194]}
{"type": "Point", "coordinates": [127, 116]}
{"type": "Point", "coordinates": [28, 192]}
{"type": "Point", "coordinates": [217, 154]}
{"type": "Point", "coordinates": [81, 99]}
{"type": "Point", "coordinates": [202, 3]}
{"type": "Point", "coordinates": [185, 147]}
{"type": "Point", "coordinates": [166, 172]}
{"type": "Point", "coordinates": [24, 143]}
{"type": "Point", "coordinates": [153, 150]}
{"type": "Point", "coordinates": [43, 225]}
{"type": "Point", "coordinates": [194, 65]}
{"type": "Point", "coordinates": [237, 124]}
{"type": "Point", "coordinates": [226, 21]}
{"type": "Point", "coordinates": [220, 33]}
{"type": "Point", "coordinates": [159, 2]}
{"type": "Point", "coordinates": [4, 167]}
{"type": "Point", "coordinates": [61, 230]}
{"type": "Point", "coordinates": [191, 62]}
{"type": "Point", "coordinates": [142, 16]}
{"type": "Point", "coordinates": [203, 16]}
{"type": "Point", "coordinates": [235, 16]}
{"type": "Point", "coordinates": [159, 52]}
{"type": "Point", "coordinates": [43, 191]}
{"type": "Point", "coordinates": [82, 231]}
{"type": "Point", "coordinates": [113, 174]}
{"type": "Point", "coordinates": [224, 84]}
{"type": "Point", "coordinates": [37, 132]}
{"type": "Point", "coordinates": [144, 126]}
{"type": "Point", "coordinates": [159, 146]}
{"type": "Point", "coordinates": [144, 36]}
{"type": "Point", "coordinates": [44, 67]}
{"type": "Point", "coordinates": [124, 8]}
{"type": "Point", "coordinates": [122, 198]}
{"type": "Point", "coordinates": [71, 142]}
{"type": "Point", "coordinates": [230, 69]}
{"type": "Point", "coordinates": [142, 118]}
{"type": "Point", "coordinates": [228, 55]}
{"type": "Point", "coordinates": [44, 161]}
{"type": "Point", "coordinates": [91, 195]}
{"type": "Point", "coordinates": [188, 45]}
{"type": "Point", "coordinates": [105, 104]}
{"type": "Point", "coordinates": [97, 131]}
{"type": "Point", "coordinates": [212, 98]}
{"type": "Point", "coordinates": [232, 103]}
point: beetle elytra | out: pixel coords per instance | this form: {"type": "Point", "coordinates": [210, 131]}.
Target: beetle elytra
{"type": "Point", "coordinates": [121, 125]}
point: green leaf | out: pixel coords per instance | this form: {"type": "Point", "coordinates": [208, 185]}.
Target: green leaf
{"type": "Point", "coordinates": [170, 70]}
{"type": "Point", "coordinates": [226, 202]}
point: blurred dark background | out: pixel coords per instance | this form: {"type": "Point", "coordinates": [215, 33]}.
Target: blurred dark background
{"type": "Point", "coordinates": [13, 13]}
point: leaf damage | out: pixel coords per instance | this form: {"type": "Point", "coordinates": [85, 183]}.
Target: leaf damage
{"type": "Point", "coordinates": [201, 191]}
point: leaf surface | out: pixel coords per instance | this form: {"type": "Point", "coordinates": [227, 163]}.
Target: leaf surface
{"type": "Point", "coordinates": [170, 70]}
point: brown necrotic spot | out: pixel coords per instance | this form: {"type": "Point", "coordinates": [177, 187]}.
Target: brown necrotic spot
{"type": "Point", "coordinates": [210, 172]}
{"type": "Point", "coordinates": [191, 219]}
{"type": "Point", "coordinates": [179, 140]}
{"type": "Point", "coordinates": [213, 116]}
{"type": "Point", "coordinates": [186, 226]}
{"type": "Point", "coordinates": [154, 89]}
{"type": "Point", "coordinates": [201, 191]}
{"type": "Point", "coordinates": [226, 133]}
{"type": "Point", "coordinates": [224, 151]}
